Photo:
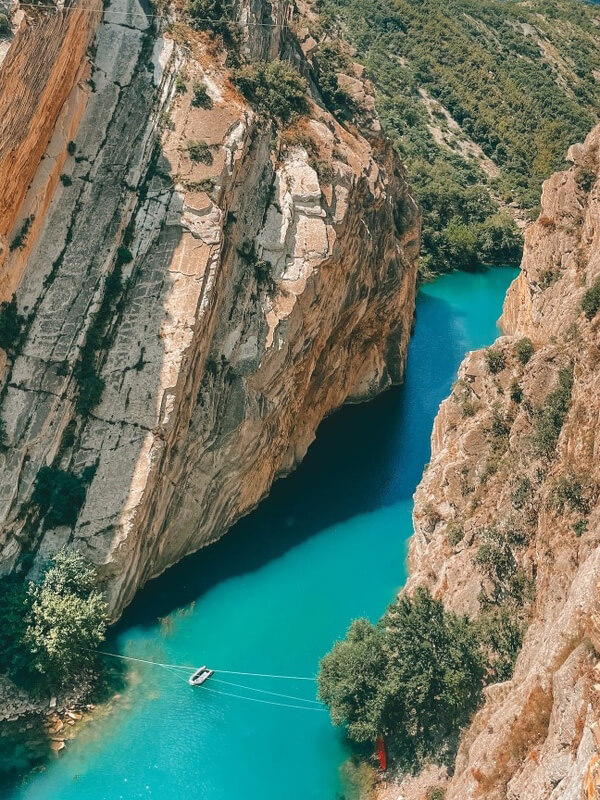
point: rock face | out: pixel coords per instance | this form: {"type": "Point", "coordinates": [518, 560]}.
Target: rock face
{"type": "Point", "coordinates": [190, 321]}
{"type": "Point", "coordinates": [507, 459]}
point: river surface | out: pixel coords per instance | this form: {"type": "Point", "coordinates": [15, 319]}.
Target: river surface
{"type": "Point", "coordinates": [327, 546]}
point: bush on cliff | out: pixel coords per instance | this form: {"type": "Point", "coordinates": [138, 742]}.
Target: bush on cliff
{"type": "Point", "coordinates": [206, 15]}
{"type": "Point", "coordinates": [275, 89]}
{"type": "Point", "coordinates": [415, 677]}
{"type": "Point", "coordinates": [550, 416]}
{"type": "Point", "coordinates": [48, 631]}
{"type": "Point", "coordinates": [524, 349]}
{"type": "Point", "coordinates": [590, 302]}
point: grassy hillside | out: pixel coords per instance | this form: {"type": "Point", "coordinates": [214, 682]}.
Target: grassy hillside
{"type": "Point", "coordinates": [482, 98]}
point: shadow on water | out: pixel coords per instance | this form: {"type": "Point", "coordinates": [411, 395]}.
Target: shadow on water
{"type": "Point", "coordinates": [365, 456]}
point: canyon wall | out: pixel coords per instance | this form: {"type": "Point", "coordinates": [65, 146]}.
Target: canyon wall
{"type": "Point", "coordinates": [508, 509]}
{"type": "Point", "coordinates": [45, 62]}
{"type": "Point", "coordinates": [200, 290]}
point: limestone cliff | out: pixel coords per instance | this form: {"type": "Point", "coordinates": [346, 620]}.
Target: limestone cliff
{"type": "Point", "coordinates": [196, 293]}
{"type": "Point", "coordinates": [515, 469]}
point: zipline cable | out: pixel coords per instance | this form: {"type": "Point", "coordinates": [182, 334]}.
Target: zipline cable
{"type": "Point", "coordinates": [265, 691]}
{"type": "Point", "coordinates": [253, 699]}
{"type": "Point", "coordinates": [258, 700]}
{"type": "Point", "coordinates": [107, 11]}
{"type": "Point", "coordinates": [252, 689]}
{"type": "Point", "coordinates": [192, 667]}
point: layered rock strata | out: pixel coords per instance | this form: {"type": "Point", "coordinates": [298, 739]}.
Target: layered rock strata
{"type": "Point", "coordinates": [191, 315]}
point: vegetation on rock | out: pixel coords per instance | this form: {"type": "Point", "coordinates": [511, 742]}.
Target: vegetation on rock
{"type": "Point", "coordinates": [524, 349]}
{"type": "Point", "coordinates": [18, 241]}
{"type": "Point", "coordinates": [495, 359]}
{"type": "Point", "coordinates": [415, 677]}
{"type": "Point", "coordinates": [550, 416]}
{"type": "Point", "coordinates": [451, 74]}
{"type": "Point", "coordinates": [590, 302]}
{"type": "Point", "coordinates": [48, 630]}
{"type": "Point", "coordinates": [275, 89]}
{"type": "Point", "coordinates": [206, 14]}
{"type": "Point", "coordinates": [199, 152]}
{"type": "Point", "coordinates": [329, 60]}
{"type": "Point", "coordinates": [200, 96]}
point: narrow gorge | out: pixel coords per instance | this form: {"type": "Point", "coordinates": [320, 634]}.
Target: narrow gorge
{"type": "Point", "coordinates": [216, 224]}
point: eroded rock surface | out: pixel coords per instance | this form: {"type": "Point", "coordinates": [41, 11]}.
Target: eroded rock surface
{"type": "Point", "coordinates": [536, 736]}
{"type": "Point", "coordinates": [190, 322]}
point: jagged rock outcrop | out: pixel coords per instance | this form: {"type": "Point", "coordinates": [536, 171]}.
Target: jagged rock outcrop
{"type": "Point", "coordinates": [515, 453]}
{"type": "Point", "coordinates": [191, 315]}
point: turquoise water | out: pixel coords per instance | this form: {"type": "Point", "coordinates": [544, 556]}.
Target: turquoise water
{"type": "Point", "coordinates": [327, 546]}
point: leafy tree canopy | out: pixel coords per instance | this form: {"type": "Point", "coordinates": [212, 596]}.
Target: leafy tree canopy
{"type": "Point", "coordinates": [415, 677]}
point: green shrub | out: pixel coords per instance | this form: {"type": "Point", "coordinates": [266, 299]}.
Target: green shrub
{"type": "Point", "coordinates": [549, 418]}
{"type": "Point", "coordinates": [180, 84]}
{"type": "Point", "coordinates": [455, 533]}
{"type": "Point", "coordinates": [48, 632]}
{"type": "Point", "coordinates": [200, 96]}
{"type": "Point", "coordinates": [522, 493]}
{"type": "Point", "coordinates": [580, 527]}
{"type": "Point", "coordinates": [59, 495]}
{"type": "Point", "coordinates": [11, 327]}
{"type": "Point", "coordinates": [548, 277]}
{"type": "Point", "coordinates": [501, 634]}
{"type": "Point", "coordinates": [15, 606]}
{"type": "Point", "coordinates": [5, 26]}
{"type": "Point", "coordinates": [569, 491]}
{"type": "Point", "coordinates": [66, 180]}
{"type": "Point", "coordinates": [416, 678]}
{"type": "Point", "coordinates": [199, 152]}
{"type": "Point", "coordinates": [263, 272]}
{"type": "Point", "coordinates": [496, 560]}
{"type": "Point", "coordinates": [329, 60]}
{"type": "Point", "coordinates": [585, 177]}
{"type": "Point", "coordinates": [124, 255]}
{"type": "Point", "coordinates": [71, 148]}
{"type": "Point", "coordinates": [207, 15]}
{"type": "Point", "coordinates": [495, 359]}
{"type": "Point", "coordinates": [274, 89]}
{"type": "Point", "coordinates": [590, 302]}
{"type": "Point", "coordinates": [436, 793]}
{"type": "Point", "coordinates": [516, 392]}
{"type": "Point", "coordinates": [524, 349]}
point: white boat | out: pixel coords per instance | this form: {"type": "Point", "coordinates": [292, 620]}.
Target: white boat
{"type": "Point", "coordinates": [201, 675]}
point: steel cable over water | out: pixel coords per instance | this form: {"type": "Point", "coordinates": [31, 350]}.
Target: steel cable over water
{"type": "Point", "coordinates": [250, 688]}
{"type": "Point", "coordinates": [193, 667]}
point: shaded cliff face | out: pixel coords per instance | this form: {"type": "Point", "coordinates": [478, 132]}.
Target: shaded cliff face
{"type": "Point", "coordinates": [188, 323]}
{"type": "Point", "coordinates": [515, 469]}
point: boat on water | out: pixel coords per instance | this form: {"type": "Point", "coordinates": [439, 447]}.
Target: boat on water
{"type": "Point", "coordinates": [201, 675]}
